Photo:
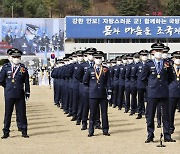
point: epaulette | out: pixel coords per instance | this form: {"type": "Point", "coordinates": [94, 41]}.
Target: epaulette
{"type": "Point", "coordinates": [6, 64]}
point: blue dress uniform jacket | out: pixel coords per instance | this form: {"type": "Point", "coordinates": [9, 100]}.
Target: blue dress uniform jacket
{"type": "Point", "coordinates": [133, 75]}
{"type": "Point", "coordinates": [97, 90]}
{"type": "Point", "coordinates": [140, 84]}
{"type": "Point", "coordinates": [21, 79]}
{"type": "Point", "coordinates": [157, 88]}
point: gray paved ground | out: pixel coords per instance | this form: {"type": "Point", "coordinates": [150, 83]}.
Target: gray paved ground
{"type": "Point", "coordinates": [51, 132]}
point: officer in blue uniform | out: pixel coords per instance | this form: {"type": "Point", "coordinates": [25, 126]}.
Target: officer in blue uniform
{"type": "Point", "coordinates": [89, 62]}
{"type": "Point", "coordinates": [13, 77]}
{"type": "Point", "coordinates": [174, 89]}
{"type": "Point", "coordinates": [164, 56]}
{"type": "Point", "coordinates": [127, 82]}
{"type": "Point", "coordinates": [98, 80]}
{"type": "Point", "coordinates": [121, 77]}
{"type": "Point", "coordinates": [26, 43]}
{"type": "Point", "coordinates": [56, 84]}
{"type": "Point", "coordinates": [115, 83]}
{"type": "Point", "coordinates": [158, 73]}
{"type": "Point", "coordinates": [141, 86]}
{"type": "Point", "coordinates": [133, 82]}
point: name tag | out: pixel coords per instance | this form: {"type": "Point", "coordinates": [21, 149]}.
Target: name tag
{"type": "Point", "coordinates": [115, 69]}
{"type": "Point", "coordinates": [122, 68]}
{"type": "Point", "coordinates": [92, 73]}
{"type": "Point", "coordinates": [9, 71]}
{"type": "Point", "coordinates": [76, 68]}
{"type": "Point", "coordinates": [153, 73]}
{"type": "Point", "coordinates": [24, 45]}
{"type": "Point", "coordinates": [152, 67]}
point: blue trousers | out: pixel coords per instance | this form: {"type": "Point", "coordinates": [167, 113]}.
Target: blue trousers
{"type": "Point", "coordinates": [20, 105]}
{"type": "Point", "coordinates": [93, 104]}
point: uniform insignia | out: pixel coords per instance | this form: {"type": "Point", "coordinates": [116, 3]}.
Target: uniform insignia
{"type": "Point", "coordinates": [166, 65]}
{"type": "Point", "coordinates": [24, 45]}
{"type": "Point", "coordinates": [105, 70]}
{"type": "Point", "coordinates": [22, 70]}
{"type": "Point", "coordinates": [9, 71]}
{"type": "Point", "coordinates": [121, 68]}
{"type": "Point", "coordinates": [76, 68]}
{"type": "Point", "coordinates": [92, 73]}
{"type": "Point", "coordinates": [152, 67]}
{"type": "Point", "coordinates": [115, 69]}
{"type": "Point", "coordinates": [132, 67]}
{"type": "Point", "coordinates": [153, 72]}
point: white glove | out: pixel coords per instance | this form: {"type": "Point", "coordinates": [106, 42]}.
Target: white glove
{"type": "Point", "coordinates": [108, 97]}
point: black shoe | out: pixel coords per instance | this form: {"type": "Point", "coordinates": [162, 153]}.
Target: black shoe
{"type": "Point", "coordinates": [114, 106]}
{"type": "Point", "coordinates": [78, 122]}
{"type": "Point", "coordinates": [106, 134]}
{"type": "Point", "coordinates": [149, 140]}
{"type": "Point", "coordinates": [84, 127]}
{"type": "Point", "coordinates": [119, 108]}
{"type": "Point", "coordinates": [61, 107]}
{"type": "Point", "coordinates": [132, 113]}
{"type": "Point", "coordinates": [110, 105]}
{"type": "Point", "coordinates": [58, 105]}
{"type": "Point", "coordinates": [126, 111]}
{"type": "Point", "coordinates": [139, 116]}
{"type": "Point", "coordinates": [169, 140]}
{"type": "Point", "coordinates": [98, 127]}
{"type": "Point", "coordinates": [25, 136]}
{"type": "Point", "coordinates": [66, 112]}
{"type": "Point", "coordinates": [5, 136]}
{"type": "Point", "coordinates": [90, 135]}
{"type": "Point", "coordinates": [73, 119]}
{"type": "Point", "coordinates": [69, 115]}
{"type": "Point", "coordinates": [158, 126]}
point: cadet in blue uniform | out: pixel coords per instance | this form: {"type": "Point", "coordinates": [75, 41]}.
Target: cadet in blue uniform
{"type": "Point", "coordinates": [127, 82]}
{"type": "Point", "coordinates": [133, 83]}
{"type": "Point", "coordinates": [13, 78]}
{"type": "Point", "coordinates": [25, 43]}
{"type": "Point", "coordinates": [115, 84]}
{"type": "Point", "coordinates": [56, 84]}
{"type": "Point", "coordinates": [121, 77]}
{"type": "Point", "coordinates": [165, 57]}
{"type": "Point", "coordinates": [141, 86]}
{"type": "Point", "coordinates": [159, 74]}
{"type": "Point", "coordinates": [98, 80]}
{"type": "Point", "coordinates": [174, 90]}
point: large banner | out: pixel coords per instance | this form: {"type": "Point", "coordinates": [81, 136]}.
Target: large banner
{"type": "Point", "coordinates": [33, 36]}
{"type": "Point", "coordinates": [122, 27]}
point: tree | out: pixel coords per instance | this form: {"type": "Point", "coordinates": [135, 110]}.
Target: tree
{"type": "Point", "coordinates": [173, 8]}
{"type": "Point", "coordinates": [17, 8]}
{"type": "Point", "coordinates": [41, 12]}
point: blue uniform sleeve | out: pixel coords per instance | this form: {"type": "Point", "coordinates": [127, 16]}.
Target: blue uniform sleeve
{"type": "Point", "coordinates": [86, 78]}
{"type": "Point", "coordinates": [128, 72]}
{"type": "Point", "coordinates": [27, 86]}
{"type": "Point", "coordinates": [145, 73]}
{"type": "Point", "coordinates": [3, 77]}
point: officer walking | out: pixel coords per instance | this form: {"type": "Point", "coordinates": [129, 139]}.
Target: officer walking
{"type": "Point", "coordinates": [158, 73]}
{"type": "Point", "coordinates": [13, 77]}
{"type": "Point", "coordinates": [98, 80]}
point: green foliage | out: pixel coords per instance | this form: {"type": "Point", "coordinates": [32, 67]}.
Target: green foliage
{"type": "Point", "coordinates": [131, 7]}
{"type": "Point", "coordinates": [61, 8]}
{"type": "Point", "coordinates": [173, 8]}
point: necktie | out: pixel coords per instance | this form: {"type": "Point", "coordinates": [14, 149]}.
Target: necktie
{"type": "Point", "coordinates": [159, 67]}
{"type": "Point", "coordinates": [98, 70]}
{"type": "Point", "coordinates": [91, 64]}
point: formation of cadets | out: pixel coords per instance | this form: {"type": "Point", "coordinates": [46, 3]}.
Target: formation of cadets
{"type": "Point", "coordinates": [83, 83]}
